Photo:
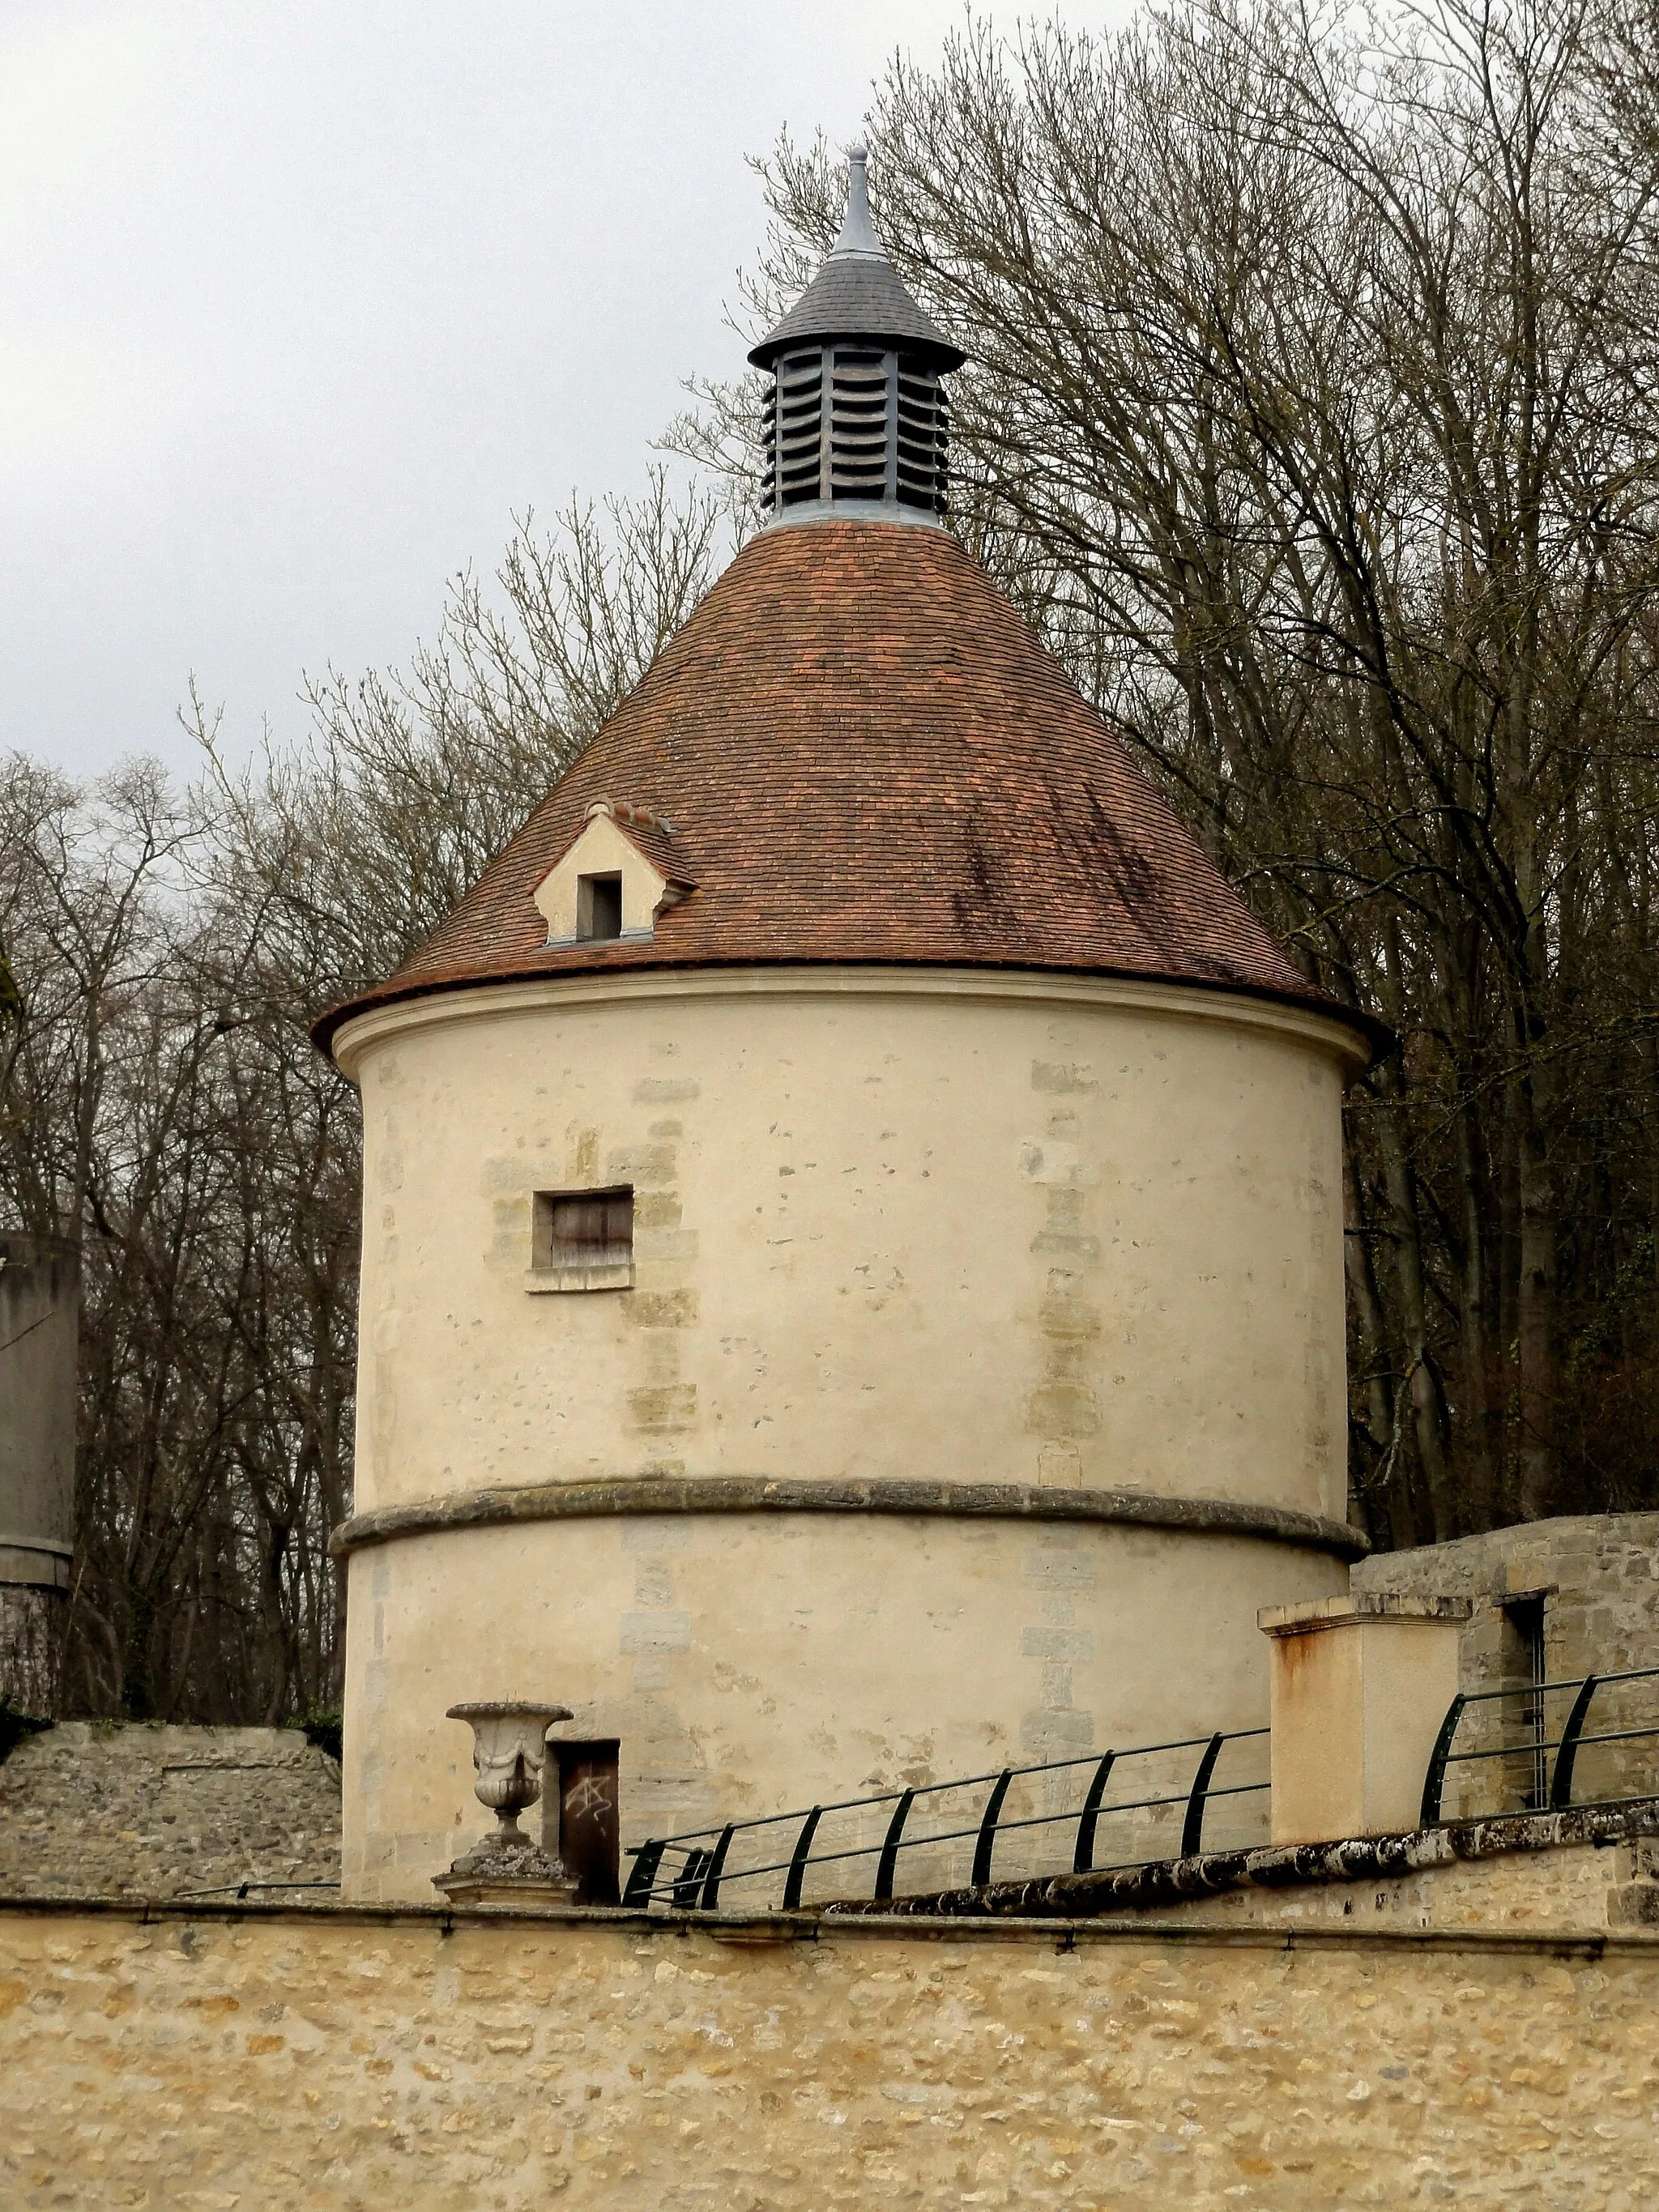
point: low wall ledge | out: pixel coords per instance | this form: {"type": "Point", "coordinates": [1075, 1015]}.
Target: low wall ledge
{"type": "Point", "coordinates": [742, 1493]}
{"type": "Point", "coordinates": [765, 1931]}
{"type": "Point", "coordinates": [1120, 1890]}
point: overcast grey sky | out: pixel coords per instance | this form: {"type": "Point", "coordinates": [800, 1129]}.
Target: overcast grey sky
{"type": "Point", "coordinates": [300, 301]}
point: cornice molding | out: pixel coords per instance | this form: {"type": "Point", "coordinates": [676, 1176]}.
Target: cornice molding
{"type": "Point", "coordinates": [983, 985]}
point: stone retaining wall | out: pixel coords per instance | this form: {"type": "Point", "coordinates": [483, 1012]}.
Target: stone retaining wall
{"type": "Point", "coordinates": [279, 2061]}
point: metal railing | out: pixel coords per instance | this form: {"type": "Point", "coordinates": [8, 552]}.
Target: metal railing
{"type": "Point", "coordinates": [1536, 1746]}
{"type": "Point", "coordinates": [704, 1854]}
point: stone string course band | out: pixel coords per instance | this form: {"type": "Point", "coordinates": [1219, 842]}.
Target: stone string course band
{"type": "Point", "coordinates": [644, 1494]}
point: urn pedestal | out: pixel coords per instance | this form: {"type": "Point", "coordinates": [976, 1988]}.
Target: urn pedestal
{"type": "Point", "coordinates": [506, 1868]}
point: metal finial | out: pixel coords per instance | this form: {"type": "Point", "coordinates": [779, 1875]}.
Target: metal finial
{"type": "Point", "coordinates": [857, 233]}
{"type": "Point", "coordinates": [856, 412]}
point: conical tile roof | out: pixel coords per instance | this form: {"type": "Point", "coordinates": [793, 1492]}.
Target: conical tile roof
{"type": "Point", "coordinates": [863, 754]}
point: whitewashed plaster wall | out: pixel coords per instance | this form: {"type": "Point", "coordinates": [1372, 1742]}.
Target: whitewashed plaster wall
{"type": "Point", "coordinates": [889, 1226]}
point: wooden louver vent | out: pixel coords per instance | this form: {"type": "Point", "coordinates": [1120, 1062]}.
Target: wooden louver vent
{"type": "Point", "coordinates": [854, 421]}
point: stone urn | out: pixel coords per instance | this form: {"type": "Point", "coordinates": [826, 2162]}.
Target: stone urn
{"type": "Point", "coordinates": [506, 1867]}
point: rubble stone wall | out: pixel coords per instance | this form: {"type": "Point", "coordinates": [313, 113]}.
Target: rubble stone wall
{"type": "Point", "coordinates": [288, 2062]}
{"type": "Point", "coordinates": [1600, 1572]}
{"type": "Point", "coordinates": [95, 1808]}
{"type": "Point", "coordinates": [1598, 1575]}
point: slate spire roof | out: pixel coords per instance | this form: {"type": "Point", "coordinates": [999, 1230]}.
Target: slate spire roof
{"type": "Point", "coordinates": [867, 757]}
{"type": "Point", "coordinates": [858, 293]}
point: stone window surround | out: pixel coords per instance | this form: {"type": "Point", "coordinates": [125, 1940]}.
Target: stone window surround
{"type": "Point", "coordinates": [546, 1273]}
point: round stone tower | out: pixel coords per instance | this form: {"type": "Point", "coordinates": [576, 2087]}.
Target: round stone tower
{"type": "Point", "coordinates": [851, 1273]}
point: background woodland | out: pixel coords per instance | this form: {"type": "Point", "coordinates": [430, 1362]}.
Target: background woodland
{"type": "Point", "coordinates": [1314, 421]}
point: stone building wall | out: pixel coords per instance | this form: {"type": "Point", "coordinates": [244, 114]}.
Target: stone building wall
{"type": "Point", "coordinates": [1600, 1572]}
{"type": "Point", "coordinates": [888, 1224]}
{"type": "Point", "coordinates": [95, 1808]}
{"type": "Point", "coordinates": [39, 1307]}
{"type": "Point", "coordinates": [1596, 1577]}
{"type": "Point", "coordinates": [272, 2061]}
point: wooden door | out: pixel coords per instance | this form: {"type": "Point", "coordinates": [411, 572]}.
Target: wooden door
{"type": "Point", "coordinates": [589, 1830]}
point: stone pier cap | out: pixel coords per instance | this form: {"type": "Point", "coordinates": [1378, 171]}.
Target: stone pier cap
{"type": "Point", "coordinates": [1359, 1686]}
{"type": "Point", "coordinates": [1315, 1613]}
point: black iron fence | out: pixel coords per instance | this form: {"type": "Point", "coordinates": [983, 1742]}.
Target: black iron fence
{"type": "Point", "coordinates": [690, 1871]}
{"type": "Point", "coordinates": [1529, 1763]}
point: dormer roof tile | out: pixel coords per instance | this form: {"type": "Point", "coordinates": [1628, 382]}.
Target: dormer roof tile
{"type": "Point", "coordinates": [645, 832]}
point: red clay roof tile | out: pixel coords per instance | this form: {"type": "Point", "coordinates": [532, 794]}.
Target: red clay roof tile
{"type": "Point", "coordinates": [873, 760]}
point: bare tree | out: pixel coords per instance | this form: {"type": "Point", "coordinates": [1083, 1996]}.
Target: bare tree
{"type": "Point", "coordinates": [1313, 417]}
{"type": "Point", "coordinates": [364, 839]}
{"type": "Point", "coordinates": [160, 1099]}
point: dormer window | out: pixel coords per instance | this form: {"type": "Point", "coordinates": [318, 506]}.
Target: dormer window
{"type": "Point", "coordinates": [620, 872]}
{"type": "Point", "coordinates": [599, 905]}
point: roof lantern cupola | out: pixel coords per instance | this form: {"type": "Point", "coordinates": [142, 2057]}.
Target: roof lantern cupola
{"type": "Point", "coordinates": [857, 413]}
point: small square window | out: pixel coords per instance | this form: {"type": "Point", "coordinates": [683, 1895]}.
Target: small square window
{"type": "Point", "coordinates": [582, 1240]}
{"type": "Point", "coordinates": [598, 906]}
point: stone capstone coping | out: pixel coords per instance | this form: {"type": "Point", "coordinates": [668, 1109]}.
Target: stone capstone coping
{"type": "Point", "coordinates": [745, 1493]}
{"type": "Point", "coordinates": [761, 1931]}
{"type": "Point", "coordinates": [1273, 1865]}
{"type": "Point", "coordinates": [1311, 1615]}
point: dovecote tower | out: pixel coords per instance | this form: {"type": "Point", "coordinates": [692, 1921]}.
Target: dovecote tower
{"type": "Point", "coordinates": [852, 1272]}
